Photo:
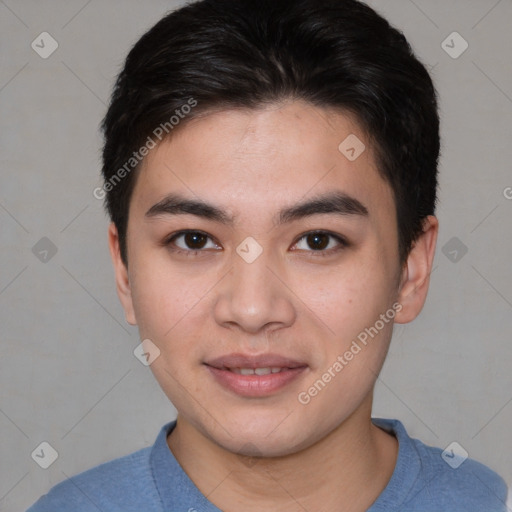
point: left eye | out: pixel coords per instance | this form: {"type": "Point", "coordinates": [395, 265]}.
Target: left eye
{"type": "Point", "coordinates": [319, 241]}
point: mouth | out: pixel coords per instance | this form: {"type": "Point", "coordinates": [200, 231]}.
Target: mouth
{"type": "Point", "coordinates": [255, 376]}
{"type": "Point", "coordinates": [256, 371]}
{"type": "Point", "coordinates": [261, 362]}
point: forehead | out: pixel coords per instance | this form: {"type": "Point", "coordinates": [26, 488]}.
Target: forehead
{"type": "Point", "coordinates": [261, 159]}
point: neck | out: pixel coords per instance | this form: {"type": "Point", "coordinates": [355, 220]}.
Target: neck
{"type": "Point", "coordinates": [346, 470]}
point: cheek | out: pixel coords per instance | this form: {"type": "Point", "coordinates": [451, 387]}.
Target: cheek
{"type": "Point", "coordinates": [164, 298]}
{"type": "Point", "coordinates": [348, 299]}
{"type": "Point", "coordinates": [167, 307]}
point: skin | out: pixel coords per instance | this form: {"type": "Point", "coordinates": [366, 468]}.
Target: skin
{"type": "Point", "coordinates": [323, 456]}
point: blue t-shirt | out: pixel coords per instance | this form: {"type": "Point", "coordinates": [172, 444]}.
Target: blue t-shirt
{"type": "Point", "coordinates": [151, 480]}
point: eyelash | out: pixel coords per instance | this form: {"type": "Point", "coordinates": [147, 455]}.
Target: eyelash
{"type": "Point", "coordinates": [343, 243]}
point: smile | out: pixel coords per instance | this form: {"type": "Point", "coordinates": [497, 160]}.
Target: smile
{"type": "Point", "coordinates": [255, 382]}
{"type": "Point", "coordinates": [257, 371]}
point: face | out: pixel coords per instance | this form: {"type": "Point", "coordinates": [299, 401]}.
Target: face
{"type": "Point", "coordinates": [277, 250]}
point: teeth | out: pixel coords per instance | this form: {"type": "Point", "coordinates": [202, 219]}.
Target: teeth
{"type": "Point", "coordinates": [262, 371]}
{"type": "Point", "coordinates": [256, 371]}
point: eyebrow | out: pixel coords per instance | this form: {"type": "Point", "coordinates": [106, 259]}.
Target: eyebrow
{"type": "Point", "coordinates": [336, 202]}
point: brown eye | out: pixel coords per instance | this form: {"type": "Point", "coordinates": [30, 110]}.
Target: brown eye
{"type": "Point", "coordinates": [190, 241]}
{"type": "Point", "coordinates": [317, 241]}
{"type": "Point", "coordinates": [195, 240]}
{"type": "Point", "coordinates": [321, 242]}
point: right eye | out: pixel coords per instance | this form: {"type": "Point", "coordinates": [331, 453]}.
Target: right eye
{"type": "Point", "coordinates": [190, 242]}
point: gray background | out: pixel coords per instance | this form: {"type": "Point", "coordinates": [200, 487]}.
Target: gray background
{"type": "Point", "coordinates": [68, 374]}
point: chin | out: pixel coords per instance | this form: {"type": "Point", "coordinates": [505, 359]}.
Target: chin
{"type": "Point", "coordinates": [267, 436]}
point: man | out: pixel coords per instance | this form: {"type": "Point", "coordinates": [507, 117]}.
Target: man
{"type": "Point", "coordinates": [270, 171]}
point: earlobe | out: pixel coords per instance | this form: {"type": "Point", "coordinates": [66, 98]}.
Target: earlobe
{"type": "Point", "coordinates": [121, 275]}
{"type": "Point", "coordinates": [416, 272]}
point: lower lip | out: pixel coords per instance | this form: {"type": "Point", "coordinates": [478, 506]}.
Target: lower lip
{"type": "Point", "coordinates": [255, 385]}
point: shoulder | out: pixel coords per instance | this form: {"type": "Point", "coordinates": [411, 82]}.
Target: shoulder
{"type": "Point", "coordinates": [123, 484]}
{"type": "Point", "coordinates": [453, 475]}
{"type": "Point", "coordinates": [428, 478]}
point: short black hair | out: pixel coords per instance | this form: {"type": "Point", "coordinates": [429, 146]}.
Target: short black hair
{"type": "Point", "coordinates": [212, 55]}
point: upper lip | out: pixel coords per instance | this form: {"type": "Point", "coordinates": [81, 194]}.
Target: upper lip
{"type": "Point", "coordinates": [262, 361]}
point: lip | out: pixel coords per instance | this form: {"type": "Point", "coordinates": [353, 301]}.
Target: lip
{"type": "Point", "coordinates": [237, 360]}
{"type": "Point", "coordinates": [254, 385]}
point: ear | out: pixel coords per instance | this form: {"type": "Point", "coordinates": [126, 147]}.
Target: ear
{"type": "Point", "coordinates": [416, 272]}
{"type": "Point", "coordinates": [121, 272]}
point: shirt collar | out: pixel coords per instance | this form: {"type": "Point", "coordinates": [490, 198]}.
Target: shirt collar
{"type": "Point", "coordinates": [179, 493]}
{"type": "Point", "coordinates": [407, 468]}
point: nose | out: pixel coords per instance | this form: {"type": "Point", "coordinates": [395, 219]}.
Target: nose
{"type": "Point", "coordinates": [254, 296]}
